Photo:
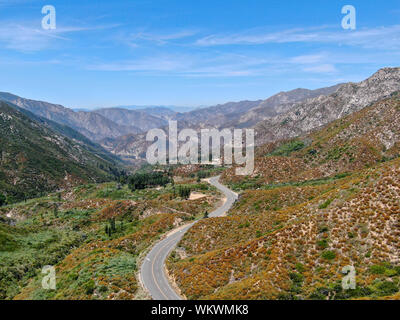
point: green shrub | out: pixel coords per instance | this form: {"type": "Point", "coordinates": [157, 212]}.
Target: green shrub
{"type": "Point", "coordinates": [323, 244]}
{"type": "Point", "coordinates": [300, 267]}
{"type": "Point", "coordinates": [328, 255]}
{"type": "Point", "coordinates": [89, 286]}
{"type": "Point", "coordinates": [296, 277]}
{"type": "Point", "coordinates": [288, 148]}
{"type": "Point", "coordinates": [323, 229]}
{"type": "Point", "coordinates": [387, 288]}
{"type": "Point", "coordinates": [2, 199]}
{"type": "Point", "coordinates": [377, 269]}
{"type": "Point", "coordinates": [325, 204]}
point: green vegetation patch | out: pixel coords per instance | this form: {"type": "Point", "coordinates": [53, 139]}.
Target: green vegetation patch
{"type": "Point", "coordinates": [288, 148]}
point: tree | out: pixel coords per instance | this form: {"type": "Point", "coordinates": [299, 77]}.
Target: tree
{"type": "Point", "coordinates": [3, 199]}
{"type": "Point", "coordinates": [141, 181]}
{"type": "Point", "coordinates": [112, 224]}
{"type": "Point", "coordinates": [184, 192]}
{"type": "Point", "coordinates": [206, 214]}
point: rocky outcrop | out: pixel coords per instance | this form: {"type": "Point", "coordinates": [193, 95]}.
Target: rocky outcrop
{"type": "Point", "coordinates": [313, 113]}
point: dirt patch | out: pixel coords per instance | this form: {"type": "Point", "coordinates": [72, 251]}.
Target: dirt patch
{"type": "Point", "coordinates": [196, 195]}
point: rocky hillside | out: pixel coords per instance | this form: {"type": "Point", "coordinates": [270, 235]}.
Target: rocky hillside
{"type": "Point", "coordinates": [36, 159]}
{"type": "Point", "coordinates": [95, 236]}
{"type": "Point", "coordinates": [315, 204]}
{"type": "Point", "coordinates": [283, 116]}
{"type": "Point", "coordinates": [131, 148]}
{"type": "Point", "coordinates": [242, 114]}
{"type": "Point", "coordinates": [297, 248]}
{"type": "Point", "coordinates": [345, 145]}
{"type": "Point", "coordinates": [278, 104]}
{"type": "Point", "coordinates": [75, 136]}
{"type": "Point", "coordinates": [246, 114]}
{"type": "Point", "coordinates": [313, 113]}
{"type": "Point", "coordinates": [142, 119]}
{"type": "Point", "coordinates": [217, 116]}
{"type": "Point", "coordinates": [93, 125]}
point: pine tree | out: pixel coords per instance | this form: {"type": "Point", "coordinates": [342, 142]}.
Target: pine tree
{"type": "Point", "coordinates": [2, 199]}
{"type": "Point", "coordinates": [113, 225]}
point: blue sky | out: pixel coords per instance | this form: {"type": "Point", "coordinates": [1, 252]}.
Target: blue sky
{"type": "Point", "coordinates": [189, 53]}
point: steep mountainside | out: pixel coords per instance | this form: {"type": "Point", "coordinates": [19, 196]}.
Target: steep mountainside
{"type": "Point", "coordinates": [217, 116]}
{"type": "Point", "coordinates": [130, 148]}
{"type": "Point", "coordinates": [142, 119]}
{"type": "Point", "coordinates": [70, 133]}
{"type": "Point", "coordinates": [35, 159]}
{"type": "Point", "coordinates": [345, 145]}
{"type": "Point", "coordinates": [278, 104]}
{"type": "Point", "coordinates": [314, 205]}
{"type": "Point", "coordinates": [93, 235]}
{"type": "Point", "coordinates": [297, 249]}
{"type": "Point", "coordinates": [311, 114]}
{"type": "Point", "coordinates": [92, 125]}
{"type": "Point", "coordinates": [162, 109]}
{"type": "Point", "coordinates": [230, 115]}
{"type": "Point", "coordinates": [248, 113]}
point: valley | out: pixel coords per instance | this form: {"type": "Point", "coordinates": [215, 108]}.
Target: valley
{"type": "Point", "coordinates": [76, 193]}
{"type": "Point", "coordinates": [95, 234]}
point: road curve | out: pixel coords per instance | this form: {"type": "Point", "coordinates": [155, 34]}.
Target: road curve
{"type": "Point", "coordinates": [152, 271]}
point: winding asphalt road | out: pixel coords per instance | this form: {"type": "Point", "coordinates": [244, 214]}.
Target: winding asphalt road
{"type": "Point", "coordinates": [152, 271]}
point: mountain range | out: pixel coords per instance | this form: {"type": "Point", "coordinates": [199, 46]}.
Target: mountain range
{"type": "Point", "coordinates": [91, 124]}
{"type": "Point", "coordinates": [324, 195]}
{"type": "Point", "coordinates": [282, 116]}
{"type": "Point", "coordinates": [37, 156]}
{"type": "Point", "coordinates": [312, 113]}
{"type": "Point", "coordinates": [315, 204]}
{"type": "Point", "coordinates": [112, 134]}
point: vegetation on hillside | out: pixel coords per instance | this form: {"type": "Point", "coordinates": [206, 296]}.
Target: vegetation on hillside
{"type": "Point", "coordinates": [93, 234]}
{"type": "Point", "coordinates": [314, 205]}
{"type": "Point", "coordinates": [35, 160]}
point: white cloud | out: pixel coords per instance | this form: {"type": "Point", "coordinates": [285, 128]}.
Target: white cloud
{"type": "Point", "coordinates": [381, 37]}
{"type": "Point", "coordinates": [28, 38]}
{"type": "Point", "coordinates": [307, 59]}
{"type": "Point", "coordinates": [183, 65]}
{"type": "Point", "coordinates": [162, 38]}
{"type": "Point", "coordinates": [191, 65]}
{"type": "Point", "coordinates": [161, 64]}
{"type": "Point", "coordinates": [322, 68]}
